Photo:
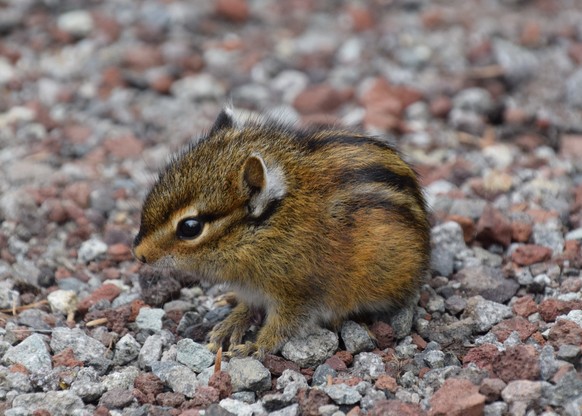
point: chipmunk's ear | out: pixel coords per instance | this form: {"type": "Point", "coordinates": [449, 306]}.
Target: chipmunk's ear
{"type": "Point", "coordinates": [225, 120]}
{"type": "Point", "coordinates": [266, 184]}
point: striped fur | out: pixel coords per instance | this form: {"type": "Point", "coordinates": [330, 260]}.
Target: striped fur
{"type": "Point", "coordinates": [310, 225]}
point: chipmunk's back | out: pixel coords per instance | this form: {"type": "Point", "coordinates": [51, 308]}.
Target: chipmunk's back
{"type": "Point", "coordinates": [311, 225]}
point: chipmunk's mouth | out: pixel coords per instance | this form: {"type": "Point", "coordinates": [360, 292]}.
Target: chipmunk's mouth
{"type": "Point", "coordinates": [166, 262]}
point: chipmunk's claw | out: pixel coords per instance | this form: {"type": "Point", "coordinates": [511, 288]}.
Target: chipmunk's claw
{"type": "Point", "coordinates": [245, 350]}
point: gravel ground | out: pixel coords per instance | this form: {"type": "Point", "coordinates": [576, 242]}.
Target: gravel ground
{"type": "Point", "coordinates": [484, 97]}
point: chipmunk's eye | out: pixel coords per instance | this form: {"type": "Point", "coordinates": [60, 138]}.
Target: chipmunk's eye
{"type": "Point", "coordinates": [189, 228]}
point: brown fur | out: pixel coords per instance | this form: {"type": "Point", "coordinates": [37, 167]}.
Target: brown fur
{"type": "Point", "coordinates": [311, 226]}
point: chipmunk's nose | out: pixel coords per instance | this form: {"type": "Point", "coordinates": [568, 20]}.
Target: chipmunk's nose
{"type": "Point", "coordinates": [137, 253]}
{"type": "Point", "coordinates": [138, 249]}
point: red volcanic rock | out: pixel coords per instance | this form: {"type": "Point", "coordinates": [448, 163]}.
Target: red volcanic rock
{"type": "Point", "coordinates": [551, 308]}
{"type": "Point", "coordinates": [493, 227]}
{"type": "Point", "coordinates": [530, 254]}
{"type": "Point", "coordinates": [457, 397]}
{"type": "Point", "coordinates": [523, 327]}
{"type": "Point", "coordinates": [106, 291]}
{"type": "Point", "coordinates": [525, 306]}
{"type": "Point", "coordinates": [517, 363]}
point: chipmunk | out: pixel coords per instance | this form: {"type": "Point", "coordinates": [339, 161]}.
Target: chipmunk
{"type": "Point", "coordinates": [311, 226]}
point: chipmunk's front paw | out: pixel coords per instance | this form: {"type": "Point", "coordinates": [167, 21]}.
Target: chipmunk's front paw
{"type": "Point", "coordinates": [213, 347]}
{"type": "Point", "coordinates": [233, 328]}
{"type": "Point", "coordinates": [247, 349]}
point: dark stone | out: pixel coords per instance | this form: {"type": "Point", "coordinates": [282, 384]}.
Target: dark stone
{"type": "Point", "coordinates": [486, 282]}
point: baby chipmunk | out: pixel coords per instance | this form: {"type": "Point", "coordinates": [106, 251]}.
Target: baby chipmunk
{"type": "Point", "coordinates": [310, 226]}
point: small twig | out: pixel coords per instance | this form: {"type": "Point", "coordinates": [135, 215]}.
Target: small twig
{"type": "Point", "coordinates": [218, 361]}
{"type": "Point", "coordinates": [33, 330]}
{"type": "Point", "coordinates": [95, 322]}
{"type": "Point", "coordinates": [15, 309]}
{"type": "Point", "coordinates": [490, 71]}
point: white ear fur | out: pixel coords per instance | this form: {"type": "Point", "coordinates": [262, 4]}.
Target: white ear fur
{"type": "Point", "coordinates": [268, 184]}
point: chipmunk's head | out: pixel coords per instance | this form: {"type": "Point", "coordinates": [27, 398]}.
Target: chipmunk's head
{"type": "Point", "coordinates": [206, 202]}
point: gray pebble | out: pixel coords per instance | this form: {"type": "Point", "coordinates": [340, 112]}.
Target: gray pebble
{"type": "Point", "coordinates": [188, 320]}
{"type": "Point", "coordinates": [474, 100]}
{"type": "Point", "coordinates": [73, 284]}
{"type": "Point", "coordinates": [342, 394]}
{"type": "Point", "coordinates": [447, 240]}
{"type": "Point", "coordinates": [455, 304]}
{"type": "Point", "coordinates": [249, 374]}
{"type": "Point", "coordinates": [32, 353]}
{"type": "Point", "coordinates": [487, 258]}
{"type": "Point", "coordinates": [575, 315]}
{"type": "Point", "coordinates": [239, 408]}
{"type": "Point", "coordinates": [289, 83]}
{"type": "Point", "coordinates": [495, 409]}
{"type": "Point", "coordinates": [85, 348]}
{"type": "Point", "coordinates": [573, 407]}
{"type": "Point", "coordinates": [489, 338]}
{"type": "Point", "coordinates": [102, 201]}
{"type": "Point", "coordinates": [435, 359]}
{"type": "Point", "coordinates": [486, 313]}
{"type": "Point", "coordinates": [292, 410]}
{"type": "Point", "coordinates": [368, 364]}
{"type": "Point", "coordinates": [125, 298]}
{"type": "Point", "coordinates": [122, 379]}
{"type": "Point", "coordinates": [408, 379]}
{"type": "Point", "coordinates": [193, 355]}
{"type": "Point", "coordinates": [150, 352]}
{"type": "Point", "coordinates": [89, 391]}
{"type": "Point", "coordinates": [277, 401]}
{"type": "Point", "coordinates": [117, 399]}
{"type": "Point", "coordinates": [567, 389]}
{"type": "Point", "coordinates": [522, 391]}
{"type": "Point", "coordinates": [215, 410]}
{"type": "Point", "coordinates": [57, 403]}
{"type": "Point", "coordinates": [518, 63]}
{"type": "Point", "coordinates": [126, 350]}
{"type": "Point", "coordinates": [436, 303]}
{"type": "Point", "coordinates": [574, 234]}
{"type": "Point", "coordinates": [90, 250]}
{"type": "Point", "coordinates": [468, 121]}
{"type": "Point", "coordinates": [321, 373]}
{"type": "Point", "coordinates": [178, 377]}
{"type": "Point", "coordinates": [244, 396]}
{"type": "Point", "coordinates": [78, 23]}
{"type": "Point", "coordinates": [8, 297]}
{"type": "Point", "coordinates": [150, 319]}
{"type": "Point", "coordinates": [291, 377]}
{"type": "Point", "coordinates": [406, 349]}
{"type": "Point", "coordinates": [549, 234]}
{"type": "Point", "coordinates": [486, 282]}
{"type": "Point", "coordinates": [312, 349]}
{"type": "Point", "coordinates": [573, 89]}
{"type": "Point", "coordinates": [524, 277]}
{"type": "Point", "coordinates": [328, 409]}
{"type": "Point", "coordinates": [197, 88]}
{"type": "Point", "coordinates": [569, 353]}
{"type": "Point", "coordinates": [356, 338]}
{"type": "Point", "coordinates": [372, 397]}
{"type": "Point", "coordinates": [15, 381]}
{"type": "Point", "coordinates": [401, 321]}
{"type": "Point", "coordinates": [4, 346]}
